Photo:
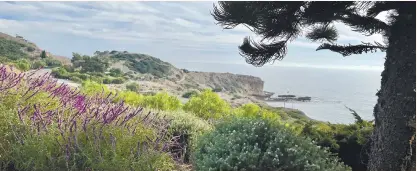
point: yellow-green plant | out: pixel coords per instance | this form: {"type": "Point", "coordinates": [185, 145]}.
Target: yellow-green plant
{"type": "Point", "coordinates": [207, 105]}
{"type": "Point", "coordinates": [131, 98]}
{"type": "Point", "coordinates": [162, 101]}
{"type": "Point", "coordinates": [92, 88]}
{"type": "Point", "coordinates": [251, 110]}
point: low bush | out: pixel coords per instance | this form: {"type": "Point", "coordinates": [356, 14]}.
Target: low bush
{"type": "Point", "coordinates": [118, 81]}
{"type": "Point", "coordinates": [133, 87]}
{"type": "Point", "coordinates": [350, 142]}
{"type": "Point", "coordinates": [190, 94]}
{"type": "Point", "coordinates": [38, 64]}
{"type": "Point", "coordinates": [52, 62]}
{"type": "Point", "coordinates": [75, 79]}
{"type": "Point", "coordinates": [253, 111]}
{"type": "Point", "coordinates": [116, 72]}
{"type": "Point", "coordinates": [162, 101]}
{"type": "Point", "coordinates": [207, 105]}
{"type": "Point", "coordinates": [131, 98]}
{"type": "Point", "coordinates": [92, 88]}
{"type": "Point", "coordinates": [253, 144]}
{"type": "Point", "coordinates": [187, 128]}
{"type": "Point", "coordinates": [107, 80]}
{"type": "Point", "coordinates": [23, 65]}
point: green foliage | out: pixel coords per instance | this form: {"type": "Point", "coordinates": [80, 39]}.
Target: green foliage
{"type": "Point", "coordinates": [23, 65]}
{"type": "Point", "coordinates": [190, 94]}
{"type": "Point", "coordinates": [217, 89]}
{"type": "Point", "coordinates": [75, 79]}
{"type": "Point", "coordinates": [348, 141]}
{"type": "Point", "coordinates": [116, 72]}
{"type": "Point", "coordinates": [118, 81]}
{"type": "Point", "coordinates": [189, 128]}
{"type": "Point", "coordinates": [107, 80]}
{"type": "Point", "coordinates": [43, 55]}
{"type": "Point", "coordinates": [207, 105]}
{"type": "Point", "coordinates": [91, 88]}
{"type": "Point", "coordinates": [162, 101]}
{"type": "Point", "coordinates": [30, 49]}
{"type": "Point", "coordinates": [144, 64]}
{"type": "Point", "coordinates": [133, 87]}
{"type": "Point", "coordinates": [131, 98]}
{"type": "Point", "coordinates": [248, 144]}
{"type": "Point", "coordinates": [60, 73]}
{"type": "Point", "coordinates": [52, 62]}
{"type": "Point", "coordinates": [38, 64]}
{"type": "Point", "coordinates": [11, 49]}
{"type": "Point", "coordinates": [253, 111]}
{"type": "Point", "coordinates": [89, 64]}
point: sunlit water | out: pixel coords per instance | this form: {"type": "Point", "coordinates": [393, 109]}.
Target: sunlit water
{"type": "Point", "coordinates": [331, 89]}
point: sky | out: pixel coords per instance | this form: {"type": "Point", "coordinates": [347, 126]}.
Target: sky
{"type": "Point", "coordinates": [182, 33]}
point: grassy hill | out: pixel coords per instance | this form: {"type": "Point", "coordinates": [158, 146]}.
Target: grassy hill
{"type": "Point", "coordinates": [18, 48]}
{"type": "Point", "coordinates": [140, 63]}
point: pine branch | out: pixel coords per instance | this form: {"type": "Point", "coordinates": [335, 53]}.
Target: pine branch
{"type": "Point", "coordinates": [259, 54]}
{"type": "Point", "coordinates": [347, 50]}
{"type": "Point", "coordinates": [365, 24]}
{"type": "Point", "coordinates": [323, 33]}
{"type": "Point", "coordinates": [231, 14]}
{"type": "Point", "coordinates": [379, 7]}
{"type": "Point", "coordinates": [356, 115]}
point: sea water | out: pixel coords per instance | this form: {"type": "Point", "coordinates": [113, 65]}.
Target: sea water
{"type": "Point", "coordinates": [331, 89]}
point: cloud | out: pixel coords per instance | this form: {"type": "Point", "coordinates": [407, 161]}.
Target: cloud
{"type": "Point", "coordinates": [186, 28]}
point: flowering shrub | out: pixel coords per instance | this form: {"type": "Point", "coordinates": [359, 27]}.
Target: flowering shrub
{"type": "Point", "coordinates": [251, 110]}
{"type": "Point", "coordinates": [50, 126]}
{"type": "Point", "coordinates": [207, 105]}
{"type": "Point", "coordinates": [254, 144]}
{"type": "Point", "coordinates": [162, 101]}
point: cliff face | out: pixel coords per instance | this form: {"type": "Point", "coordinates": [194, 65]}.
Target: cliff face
{"type": "Point", "coordinates": [228, 82]}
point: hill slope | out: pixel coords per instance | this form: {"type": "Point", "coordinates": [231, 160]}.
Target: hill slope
{"type": "Point", "coordinates": [148, 68]}
{"type": "Point", "coordinates": [18, 47]}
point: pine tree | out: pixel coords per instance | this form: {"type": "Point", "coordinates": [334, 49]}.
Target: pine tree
{"type": "Point", "coordinates": [43, 54]}
{"type": "Point", "coordinates": [392, 142]}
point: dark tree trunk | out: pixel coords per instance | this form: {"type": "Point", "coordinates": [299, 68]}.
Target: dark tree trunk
{"type": "Point", "coordinates": [393, 144]}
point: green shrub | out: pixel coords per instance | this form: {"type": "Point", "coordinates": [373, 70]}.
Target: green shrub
{"type": "Point", "coordinates": [11, 50]}
{"type": "Point", "coordinates": [30, 49]}
{"type": "Point", "coordinates": [133, 87]}
{"type": "Point", "coordinates": [91, 88]}
{"type": "Point", "coordinates": [162, 101]}
{"type": "Point", "coordinates": [348, 141]}
{"type": "Point", "coordinates": [253, 111]}
{"type": "Point", "coordinates": [52, 62]}
{"type": "Point", "coordinates": [96, 79]}
{"type": "Point", "coordinates": [38, 64]}
{"type": "Point", "coordinates": [188, 128]}
{"type": "Point", "coordinates": [116, 72]}
{"type": "Point", "coordinates": [69, 68]}
{"type": "Point", "coordinates": [118, 81]}
{"type": "Point", "coordinates": [75, 79]}
{"type": "Point", "coordinates": [131, 98]}
{"type": "Point", "coordinates": [82, 76]}
{"type": "Point", "coordinates": [247, 144]}
{"type": "Point", "coordinates": [60, 73]}
{"type": "Point", "coordinates": [217, 89]}
{"type": "Point", "coordinates": [207, 105]}
{"type": "Point", "coordinates": [190, 94]}
{"type": "Point", "coordinates": [23, 65]}
{"type": "Point", "coordinates": [107, 80]}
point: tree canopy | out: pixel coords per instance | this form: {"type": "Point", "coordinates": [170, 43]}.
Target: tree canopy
{"type": "Point", "coordinates": [280, 22]}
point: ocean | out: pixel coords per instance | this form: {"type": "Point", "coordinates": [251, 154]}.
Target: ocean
{"type": "Point", "coordinates": [331, 89]}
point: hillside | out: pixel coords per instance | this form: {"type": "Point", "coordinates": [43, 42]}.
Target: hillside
{"type": "Point", "coordinates": [118, 69]}
{"type": "Point", "coordinates": [18, 47]}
